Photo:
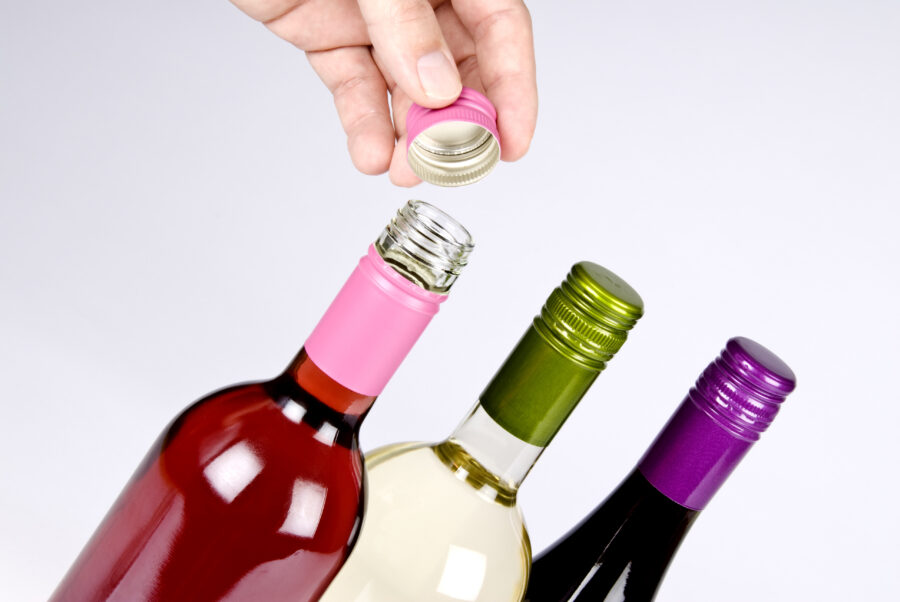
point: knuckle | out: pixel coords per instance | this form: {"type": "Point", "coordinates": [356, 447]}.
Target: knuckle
{"type": "Point", "coordinates": [351, 85]}
{"type": "Point", "coordinates": [467, 66]}
{"type": "Point", "coordinates": [357, 123]}
{"type": "Point", "coordinates": [407, 12]}
{"type": "Point", "coordinates": [514, 18]}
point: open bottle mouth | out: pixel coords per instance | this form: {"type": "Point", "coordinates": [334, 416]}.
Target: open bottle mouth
{"type": "Point", "coordinates": [426, 246]}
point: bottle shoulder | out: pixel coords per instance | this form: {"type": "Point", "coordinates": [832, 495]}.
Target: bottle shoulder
{"type": "Point", "coordinates": [620, 551]}
{"type": "Point", "coordinates": [429, 535]}
{"type": "Point", "coordinates": [387, 452]}
{"type": "Point", "coordinates": [412, 482]}
{"type": "Point", "coordinates": [263, 411]}
{"type": "Point", "coordinates": [241, 493]}
{"type": "Point", "coordinates": [449, 465]}
{"type": "Point", "coordinates": [247, 450]}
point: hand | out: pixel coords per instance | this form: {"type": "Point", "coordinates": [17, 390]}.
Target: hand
{"type": "Point", "coordinates": [420, 52]}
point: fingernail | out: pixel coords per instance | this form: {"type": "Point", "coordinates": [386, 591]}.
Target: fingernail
{"type": "Point", "coordinates": [438, 76]}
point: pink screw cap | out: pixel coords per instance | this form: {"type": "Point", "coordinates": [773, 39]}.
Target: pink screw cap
{"type": "Point", "coordinates": [455, 145]}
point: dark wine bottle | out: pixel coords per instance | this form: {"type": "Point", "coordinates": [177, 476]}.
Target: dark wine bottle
{"type": "Point", "coordinates": [621, 551]}
{"type": "Point", "coordinates": [256, 492]}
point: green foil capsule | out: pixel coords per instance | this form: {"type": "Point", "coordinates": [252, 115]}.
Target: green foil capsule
{"type": "Point", "coordinates": [584, 322]}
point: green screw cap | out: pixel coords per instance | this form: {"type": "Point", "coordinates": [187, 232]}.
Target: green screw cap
{"type": "Point", "coordinates": [587, 318]}
{"type": "Point", "coordinates": [584, 322]}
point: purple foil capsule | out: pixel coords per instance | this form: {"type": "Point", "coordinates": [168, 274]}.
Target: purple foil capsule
{"type": "Point", "coordinates": [733, 402]}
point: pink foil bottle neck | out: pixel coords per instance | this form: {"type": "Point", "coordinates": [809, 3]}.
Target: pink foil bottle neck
{"type": "Point", "coordinates": [371, 325]}
{"type": "Point", "coordinates": [396, 286]}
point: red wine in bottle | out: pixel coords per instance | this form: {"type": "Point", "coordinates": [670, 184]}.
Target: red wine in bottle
{"type": "Point", "coordinates": [256, 492]}
{"type": "Point", "coordinates": [621, 551]}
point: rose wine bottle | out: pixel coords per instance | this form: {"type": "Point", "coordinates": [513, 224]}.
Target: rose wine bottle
{"type": "Point", "coordinates": [256, 492]}
{"type": "Point", "coordinates": [441, 520]}
{"type": "Point", "coordinates": [620, 552]}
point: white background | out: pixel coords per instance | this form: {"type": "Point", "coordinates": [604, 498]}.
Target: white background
{"type": "Point", "coordinates": [177, 209]}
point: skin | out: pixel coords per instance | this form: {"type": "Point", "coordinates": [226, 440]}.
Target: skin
{"type": "Point", "coordinates": [413, 51]}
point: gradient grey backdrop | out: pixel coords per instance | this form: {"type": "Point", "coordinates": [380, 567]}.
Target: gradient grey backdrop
{"type": "Point", "coordinates": [177, 209]}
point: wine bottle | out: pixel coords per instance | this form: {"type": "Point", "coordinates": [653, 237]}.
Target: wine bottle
{"type": "Point", "coordinates": [621, 551]}
{"type": "Point", "coordinates": [256, 492]}
{"type": "Point", "coordinates": [441, 520]}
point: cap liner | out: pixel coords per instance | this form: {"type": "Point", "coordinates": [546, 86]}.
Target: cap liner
{"type": "Point", "coordinates": [443, 159]}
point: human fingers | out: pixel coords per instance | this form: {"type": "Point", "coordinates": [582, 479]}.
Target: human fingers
{"type": "Point", "coordinates": [322, 25]}
{"type": "Point", "coordinates": [360, 96]}
{"type": "Point", "coordinates": [310, 24]}
{"type": "Point", "coordinates": [400, 173]}
{"type": "Point", "coordinates": [504, 45]}
{"type": "Point", "coordinates": [461, 45]}
{"type": "Point", "coordinates": [408, 39]}
{"type": "Point", "coordinates": [265, 10]}
{"type": "Point", "coordinates": [463, 49]}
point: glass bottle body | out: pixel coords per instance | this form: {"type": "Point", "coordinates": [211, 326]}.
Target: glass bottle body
{"type": "Point", "coordinates": [442, 521]}
{"type": "Point", "coordinates": [254, 492]}
{"type": "Point", "coordinates": [619, 553]}
{"type": "Point", "coordinates": [437, 528]}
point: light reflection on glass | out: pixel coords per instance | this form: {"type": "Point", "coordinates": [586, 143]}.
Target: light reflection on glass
{"type": "Point", "coordinates": [617, 592]}
{"type": "Point", "coordinates": [305, 511]}
{"type": "Point", "coordinates": [233, 470]}
{"type": "Point", "coordinates": [294, 411]}
{"type": "Point", "coordinates": [463, 574]}
{"type": "Point", "coordinates": [326, 434]}
{"type": "Point", "coordinates": [488, 491]}
{"type": "Point", "coordinates": [587, 579]}
{"type": "Point", "coordinates": [367, 593]}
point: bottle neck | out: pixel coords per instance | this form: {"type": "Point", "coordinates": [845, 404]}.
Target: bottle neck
{"type": "Point", "coordinates": [488, 456]}
{"type": "Point", "coordinates": [309, 377]}
{"type": "Point", "coordinates": [732, 403]}
{"type": "Point", "coordinates": [519, 412]}
{"type": "Point", "coordinates": [371, 326]}
{"type": "Point", "coordinates": [389, 298]}
{"type": "Point", "coordinates": [426, 246]}
{"type": "Point", "coordinates": [692, 457]}
{"type": "Point", "coordinates": [536, 388]}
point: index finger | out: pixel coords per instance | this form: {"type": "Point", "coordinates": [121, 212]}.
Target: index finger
{"type": "Point", "coordinates": [504, 46]}
{"type": "Point", "coordinates": [406, 35]}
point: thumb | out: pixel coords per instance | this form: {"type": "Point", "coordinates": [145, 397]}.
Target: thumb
{"type": "Point", "coordinates": [409, 43]}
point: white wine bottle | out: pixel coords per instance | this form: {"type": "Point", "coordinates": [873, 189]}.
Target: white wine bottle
{"type": "Point", "coordinates": [441, 520]}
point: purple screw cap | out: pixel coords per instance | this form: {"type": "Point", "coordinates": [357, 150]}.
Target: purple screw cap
{"type": "Point", "coordinates": [735, 399]}
{"type": "Point", "coordinates": [743, 388]}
